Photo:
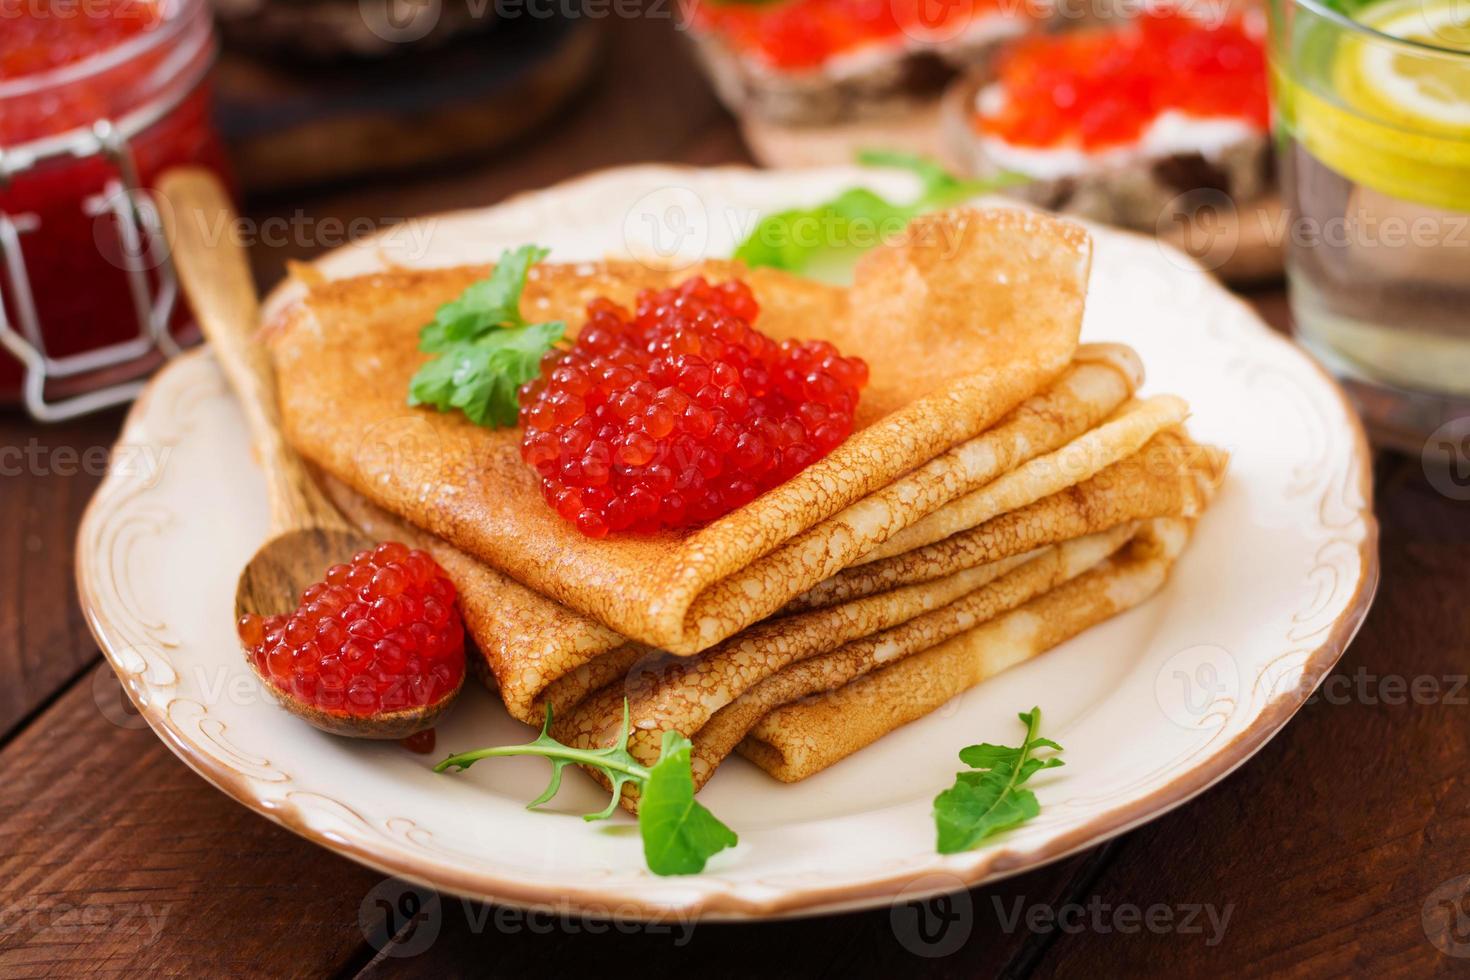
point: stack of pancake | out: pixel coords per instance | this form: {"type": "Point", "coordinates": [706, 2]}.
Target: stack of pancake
{"type": "Point", "coordinates": [1005, 489]}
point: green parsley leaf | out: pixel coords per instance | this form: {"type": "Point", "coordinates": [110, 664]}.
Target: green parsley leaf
{"type": "Point", "coordinates": [990, 797]}
{"type": "Point", "coordinates": [679, 835]}
{"type": "Point", "coordinates": [485, 349]}
{"type": "Point", "coordinates": [491, 303]}
{"type": "Point", "coordinates": [857, 219]}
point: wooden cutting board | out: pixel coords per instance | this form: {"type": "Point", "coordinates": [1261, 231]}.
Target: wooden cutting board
{"type": "Point", "coordinates": [290, 125]}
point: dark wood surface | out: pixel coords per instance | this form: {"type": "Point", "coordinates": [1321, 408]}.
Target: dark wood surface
{"type": "Point", "coordinates": [1330, 850]}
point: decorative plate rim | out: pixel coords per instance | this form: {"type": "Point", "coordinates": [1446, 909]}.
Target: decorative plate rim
{"type": "Point", "coordinates": [710, 902]}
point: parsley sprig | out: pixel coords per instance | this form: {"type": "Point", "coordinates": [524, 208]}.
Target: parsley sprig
{"type": "Point", "coordinates": [485, 349]}
{"type": "Point", "coordinates": [679, 834]}
{"type": "Point", "coordinates": [800, 238]}
{"type": "Point", "coordinates": [990, 796]}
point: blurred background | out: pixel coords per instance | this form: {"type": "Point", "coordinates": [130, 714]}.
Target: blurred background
{"type": "Point", "coordinates": [1320, 144]}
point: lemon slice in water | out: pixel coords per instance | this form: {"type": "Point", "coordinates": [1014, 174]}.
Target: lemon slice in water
{"type": "Point", "coordinates": [1394, 117]}
{"type": "Point", "coordinates": [1417, 87]}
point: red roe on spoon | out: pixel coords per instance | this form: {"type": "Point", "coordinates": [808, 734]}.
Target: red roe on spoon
{"type": "Point", "coordinates": [381, 634]}
{"type": "Point", "coordinates": [680, 411]}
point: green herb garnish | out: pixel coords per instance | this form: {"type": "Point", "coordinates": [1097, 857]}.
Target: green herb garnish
{"type": "Point", "coordinates": [856, 219]}
{"type": "Point", "coordinates": [485, 349]}
{"type": "Point", "coordinates": [990, 798]}
{"type": "Point", "coordinates": [679, 834]}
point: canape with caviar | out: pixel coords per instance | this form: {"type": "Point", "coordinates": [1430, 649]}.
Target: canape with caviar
{"type": "Point", "coordinates": [815, 62]}
{"type": "Point", "coordinates": [1117, 122]}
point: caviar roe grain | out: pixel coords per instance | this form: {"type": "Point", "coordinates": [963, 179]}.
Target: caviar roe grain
{"type": "Point", "coordinates": [381, 633]}
{"type": "Point", "coordinates": [681, 411]}
{"type": "Point", "coordinates": [1102, 87]}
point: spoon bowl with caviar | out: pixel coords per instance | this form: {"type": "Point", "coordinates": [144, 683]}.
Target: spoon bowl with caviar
{"type": "Point", "coordinates": [357, 637]}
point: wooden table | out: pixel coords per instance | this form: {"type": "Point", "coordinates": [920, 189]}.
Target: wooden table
{"type": "Point", "coordinates": [1324, 849]}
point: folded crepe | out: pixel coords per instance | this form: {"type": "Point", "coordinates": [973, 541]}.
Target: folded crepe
{"type": "Point", "coordinates": [538, 651]}
{"type": "Point", "coordinates": [967, 316]}
{"type": "Point", "coordinates": [715, 698]}
{"type": "Point", "coordinates": [771, 681]}
{"type": "Point", "coordinates": [806, 736]}
{"type": "Point", "coordinates": [1004, 490]}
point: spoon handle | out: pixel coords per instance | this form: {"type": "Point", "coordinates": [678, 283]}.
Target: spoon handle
{"type": "Point", "coordinates": [202, 235]}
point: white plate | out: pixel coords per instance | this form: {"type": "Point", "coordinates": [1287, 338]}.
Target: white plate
{"type": "Point", "coordinates": [1152, 707]}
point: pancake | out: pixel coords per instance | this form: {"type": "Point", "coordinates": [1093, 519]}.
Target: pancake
{"type": "Point", "coordinates": [1170, 474]}
{"type": "Point", "coordinates": [799, 739]}
{"type": "Point", "coordinates": [537, 650]}
{"type": "Point", "coordinates": [715, 697]}
{"type": "Point", "coordinates": [717, 708]}
{"type": "Point", "coordinates": [971, 313]}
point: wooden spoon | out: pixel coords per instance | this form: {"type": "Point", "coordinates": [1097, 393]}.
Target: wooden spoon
{"type": "Point", "coordinates": [308, 535]}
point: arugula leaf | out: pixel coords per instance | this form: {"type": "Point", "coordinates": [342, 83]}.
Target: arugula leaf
{"type": "Point", "coordinates": [990, 798]}
{"type": "Point", "coordinates": [679, 835]}
{"type": "Point", "coordinates": [485, 348]}
{"type": "Point", "coordinates": [857, 218]}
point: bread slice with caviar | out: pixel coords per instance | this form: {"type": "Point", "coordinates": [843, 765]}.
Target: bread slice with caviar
{"type": "Point", "coordinates": [822, 62]}
{"type": "Point", "coordinates": [1138, 123]}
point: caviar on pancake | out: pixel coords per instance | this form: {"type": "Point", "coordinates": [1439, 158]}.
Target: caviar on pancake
{"type": "Point", "coordinates": [680, 411]}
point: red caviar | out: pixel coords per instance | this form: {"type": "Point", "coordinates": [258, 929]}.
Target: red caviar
{"type": "Point", "coordinates": [797, 34]}
{"type": "Point", "coordinates": [1102, 87]}
{"type": "Point", "coordinates": [379, 634]}
{"type": "Point", "coordinates": [41, 35]}
{"type": "Point", "coordinates": [64, 66]}
{"type": "Point", "coordinates": [681, 411]}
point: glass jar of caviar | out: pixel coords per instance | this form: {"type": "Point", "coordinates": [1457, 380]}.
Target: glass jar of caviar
{"type": "Point", "coordinates": [97, 99]}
